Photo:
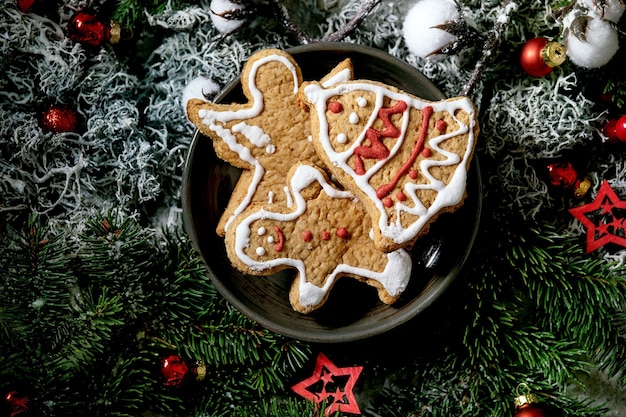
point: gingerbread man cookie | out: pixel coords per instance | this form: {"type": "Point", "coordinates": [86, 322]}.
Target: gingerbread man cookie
{"type": "Point", "coordinates": [264, 136]}
{"type": "Point", "coordinates": [326, 234]}
{"type": "Point", "coordinates": [404, 157]}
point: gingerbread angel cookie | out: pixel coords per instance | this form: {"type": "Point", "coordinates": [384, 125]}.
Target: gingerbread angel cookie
{"type": "Point", "coordinates": [264, 136]}
{"type": "Point", "coordinates": [404, 157]}
{"type": "Point", "coordinates": [324, 235]}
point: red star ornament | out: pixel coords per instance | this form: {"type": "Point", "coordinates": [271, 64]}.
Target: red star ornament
{"type": "Point", "coordinates": [331, 384]}
{"type": "Point", "coordinates": [604, 218]}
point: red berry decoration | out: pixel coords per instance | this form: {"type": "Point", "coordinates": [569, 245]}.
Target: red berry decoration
{"type": "Point", "coordinates": [58, 118]}
{"type": "Point", "coordinates": [88, 29]}
{"type": "Point", "coordinates": [539, 56]}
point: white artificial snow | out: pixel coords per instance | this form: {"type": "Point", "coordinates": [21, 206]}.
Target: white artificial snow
{"type": "Point", "coordinates": [419, 29]}
{"type": "Point", "coordinates": [598, 45]}
{"type": "Point", "coordinates": [222, 24]}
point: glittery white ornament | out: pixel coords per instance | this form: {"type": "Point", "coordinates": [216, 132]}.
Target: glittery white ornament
{"type": "Point", "coordinates": [200, 87]}
{"type": "Point", "coordinates": [421, 35]}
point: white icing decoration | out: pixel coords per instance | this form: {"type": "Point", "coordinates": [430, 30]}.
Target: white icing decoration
{"type": "Point", "coordinates": [354, 118]}
{"type": "Point", "coordinates": [342, 138]}
{"type": "Point", "coordinates": [260, 251]}
{"type": "Point", "coordinates": [270, 149]}
{"type": "Point", "coordinates": [254, 134]}
{"type": "Point", "coordinates": [212, 117]}
{"type": "Point", "coordinates": [394, 278]}
{"type": "Point", "coordinates": [261, 231]}
{"type": "Point", "coordinates": [449, 195]}
{"type": "Point", "coordinates": [288, 196]}
{"type": "Point", "coordinates": [361, 101]}
{"type": "Point", "coordinates": [270, 197]}
{"type": "Point", "coordinates": [342, 76]}
{"type": "Point", "coordinates": [270, 239]}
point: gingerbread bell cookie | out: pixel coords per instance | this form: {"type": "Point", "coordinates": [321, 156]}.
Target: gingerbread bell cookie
{"type": "Point", "coordinates": [404, 157]}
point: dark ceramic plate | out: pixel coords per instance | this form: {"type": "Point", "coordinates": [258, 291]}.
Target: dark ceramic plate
{"type": "Point", "coordinates": [353, 310]}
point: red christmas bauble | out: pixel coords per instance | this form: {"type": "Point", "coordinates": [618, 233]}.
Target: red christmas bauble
{"type": "Point", "coordinates": [58, 118]}
{"type": "Point", "coordinates": [539, 56]}
{"type": "Point", "coordinates": [530, 410]}
{"type": "Point", "coordinates": [88, 29]}
{"type": "Point", "coordinates": [174, 370]}
{"type": "Point", "coordinates": [609, 130]}
{"type": "Point", "coordinates": [620, 128]}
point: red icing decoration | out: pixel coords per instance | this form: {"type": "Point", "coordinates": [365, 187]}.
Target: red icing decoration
{"type": "Point", "coordinates": [342, 232]}
{"type": "Point", "coordinates": [377, 149]}
{"type": "Point", "coordinates": [321, 387]}
{"type": "Point", "coordinates": [413, 174]}
{"type": "Point", "coordinates": [427, 153]}
{"type": "Point", "coordinates": [335, 107]}
{"type": "Point", "coordinates": [307, 236]}
{"type": "Point", "coordinates": [325, 235]}
{"type": "Point", "coordinates": [281, 239]}
{"type": "Point", "coordinates": [400, 196]}
{"type": "Point", "coordinates": [385, 189]}
{"type": "Point", "coordinates": [441, 125]}
{"type": "Point", "coordinates": [604, 219]}
{"type": "Point", "coordinates": [388, 202]}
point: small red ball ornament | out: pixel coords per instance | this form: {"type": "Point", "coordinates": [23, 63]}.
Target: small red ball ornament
{"type": "Point", "coordinates": [58, 118]}
{"type": "Point", "coordinates": [539, 56]}
{"type": "Point", "coordinates": [176, 370]}
{"type": "Point", "coordinates": [17, 402]}
{"type": "Point", "coordinates": [620, 128]}
{"type": "Point", "coordinates": [88, 29]}
{"type": "Point", "coordinates": [527, 404]}
{"type": "Point", "coordinates": [565, 176]}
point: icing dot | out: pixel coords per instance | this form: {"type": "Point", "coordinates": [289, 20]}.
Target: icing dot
{"type": "Point", "coordinates": [310, 138]}
{"type": "Point", "coordinates": [413, 174]}
{"type": "Point", "coordinates": [325, 235]}
{"type": "Point", "coordinates": [400, 196]}
{"type": "Point", "coordinates": [441, 125]}
{"type": "Point", "coordinates": [388, 202]}
{"type": "Point", "coordinates": [260, 251]}
{"type": "Point", "coordinates": [354, 118]}
{"type": "Point", "coordinates": [307, 236]}
{"type": "Point", "coordinates": [270, 239]}
{"type": "Point", "coordinates": [342, 232]}
{"type": "Point", "coordinates": [270, 149]}
{"type": "Point", "coordinates": [427, 152]}
{"type": "Point", "coordinates": [335, 107]}
{"type": "Point", "coordinates": [342, 138]}
{"type": "Point", "coordinates": [261, 231]}
{"type": "Point", "coordinates": [361, 101]}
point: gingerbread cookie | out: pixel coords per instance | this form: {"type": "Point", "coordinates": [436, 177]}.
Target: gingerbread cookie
{"type": "Point", "coordinates": [404, 157]}
{"type": "Point", "coordinates": [324, 235]}
{"type": "Point", "coordinates": [264, 136]}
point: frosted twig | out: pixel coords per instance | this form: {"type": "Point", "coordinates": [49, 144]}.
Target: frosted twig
{"type": "Point", "coordinates": [491, 44]}
{"type": "Point", "coordinates": [279, 13]}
